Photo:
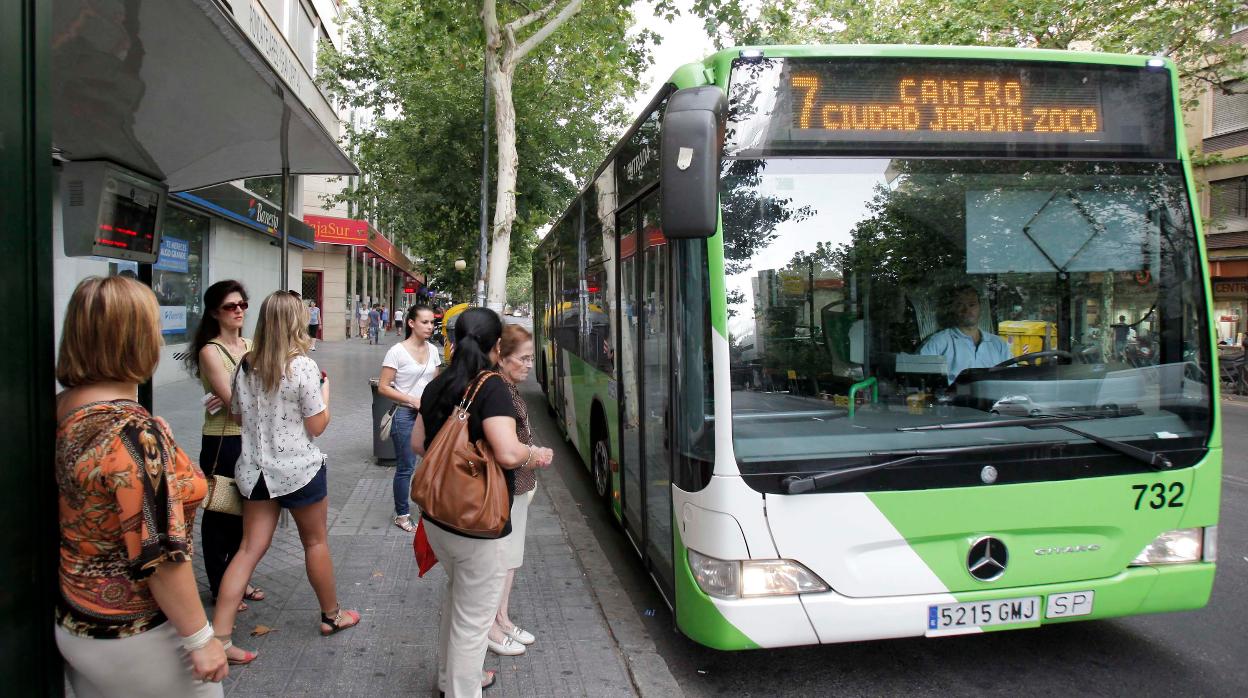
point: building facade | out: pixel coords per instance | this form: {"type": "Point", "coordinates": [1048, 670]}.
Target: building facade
{"type": "Point", "coordinates": [1218, 126]}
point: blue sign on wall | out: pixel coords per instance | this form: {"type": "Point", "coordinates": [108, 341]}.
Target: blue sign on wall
{"type": "Point", "coordinates": [174, 255]}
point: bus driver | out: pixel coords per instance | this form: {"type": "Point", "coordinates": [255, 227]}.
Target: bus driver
{"type": "Point", "coordinates": [964, 345]}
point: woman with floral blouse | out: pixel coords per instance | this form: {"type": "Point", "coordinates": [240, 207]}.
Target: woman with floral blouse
{"type": "Point", "coordinates": [129, 616]}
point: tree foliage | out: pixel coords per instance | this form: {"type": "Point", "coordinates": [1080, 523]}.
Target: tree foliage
{"type": "Point", "coordinates": [1191, 32]}
{"type": "Point", "coordinates": [414, 71]}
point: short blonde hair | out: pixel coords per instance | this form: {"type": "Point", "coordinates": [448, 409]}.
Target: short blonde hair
{"type": "Point", "coordinates": [111, 333]}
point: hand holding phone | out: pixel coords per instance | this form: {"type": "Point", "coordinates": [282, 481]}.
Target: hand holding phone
{"type": "Point", "coordinates": [212, 403]}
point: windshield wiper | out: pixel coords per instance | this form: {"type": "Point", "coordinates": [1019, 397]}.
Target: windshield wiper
{"type": "Point", "coordinates": [1151, 458]}
{"type": "Point", "coordinates": [797, 485]}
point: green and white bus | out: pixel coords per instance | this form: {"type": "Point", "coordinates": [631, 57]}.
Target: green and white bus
{"type": "Point", "coordinates": [881, 341]}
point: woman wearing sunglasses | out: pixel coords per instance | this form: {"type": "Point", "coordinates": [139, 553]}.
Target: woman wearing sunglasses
{"type": "Point", "coordinates": [215, 352]}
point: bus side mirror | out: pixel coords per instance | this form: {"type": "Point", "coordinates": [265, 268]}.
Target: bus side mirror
{"type": "Point", "coordinates": [692, 142]}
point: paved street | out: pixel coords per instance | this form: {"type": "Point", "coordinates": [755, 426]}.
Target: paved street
{"type": "Point", "coordinates": [392, 652]}
{"type": "Point", "coordinates": [1194, 653]}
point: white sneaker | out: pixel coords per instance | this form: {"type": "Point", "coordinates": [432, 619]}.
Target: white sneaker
{"type": "Point", "coordinates": [524, 637]}
{"type": "Point", "coordinates": [507, 648]}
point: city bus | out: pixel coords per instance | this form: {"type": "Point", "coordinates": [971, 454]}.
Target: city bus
{"type": "Point", "coordinates": [863, 342]}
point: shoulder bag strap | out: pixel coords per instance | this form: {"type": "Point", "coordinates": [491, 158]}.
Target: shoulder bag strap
{"type": "Point", "coordinates": [482, 377]}
{"type": "Point", "coordinates": [233, 387]}
{"type": "Point", "coordinates": [225, 353]}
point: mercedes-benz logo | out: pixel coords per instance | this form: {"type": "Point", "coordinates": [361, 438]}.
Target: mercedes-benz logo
{"type": "Point", "coordinates": [987, 559]}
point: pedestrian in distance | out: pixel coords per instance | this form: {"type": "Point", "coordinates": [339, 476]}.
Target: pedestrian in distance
{"type": "Point", "coordinates": [362, 319]}
{"type": "Point", "coordinates": [515, 360]}
{"type": "Point", "coordinates": [408, 367]}
{"type": "Point", "coordinates": [314, 322]}
{"type": "Point", "coordinates": [374, 324]}
{"type": "Point", "coordinates": [128, 621]}
{"type": "Point", "coordinates": [281, 400]}
{"type": "Point", "coordinates": [385, 320]}
{"type": "Point", "coordinates": [216, 350]}
{"type": "Point", "coordinates": [475, 569]}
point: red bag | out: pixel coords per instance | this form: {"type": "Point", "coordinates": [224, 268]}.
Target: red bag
{"type": "Point", "coordinates": [425, 557]}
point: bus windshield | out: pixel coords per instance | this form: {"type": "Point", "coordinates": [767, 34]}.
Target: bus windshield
{"type": "Point", "coordinates": [868, 295]}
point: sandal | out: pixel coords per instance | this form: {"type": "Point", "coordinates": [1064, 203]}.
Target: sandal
{"type": "Point", "coordinates": [256, 594]}
{"type": "Point", "coordinates": [248, 656]}
{"type": "Point", "coordinates": [335, 622]}
{"type": "Point", "coordinates": [405, 522]}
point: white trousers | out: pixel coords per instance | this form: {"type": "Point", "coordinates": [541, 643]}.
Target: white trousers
{"type": "Point", "coordinates": [148, 665]}
{"type": "Point", "coordinates": [474, 585]}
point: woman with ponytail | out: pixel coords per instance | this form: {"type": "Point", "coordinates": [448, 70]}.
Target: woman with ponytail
{"type": "Point", "coordinates": [475, 567]}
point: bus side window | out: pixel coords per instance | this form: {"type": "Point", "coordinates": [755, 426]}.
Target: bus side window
{"type": "Point", "coordinates": [600, 344]}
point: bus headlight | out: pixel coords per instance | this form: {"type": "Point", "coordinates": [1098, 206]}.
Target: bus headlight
{"type": "Point", "coordinates": [719, 578]}
{"type": "Point", "coordinates": [735, 579]}
{"type": "Point", "coordinates": [1171, 547]}
{"type": "Point", "coordinates": [778, 578]}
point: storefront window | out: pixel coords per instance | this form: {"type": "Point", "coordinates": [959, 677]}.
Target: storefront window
{"type": "Point", "coordinates": [178, 275]}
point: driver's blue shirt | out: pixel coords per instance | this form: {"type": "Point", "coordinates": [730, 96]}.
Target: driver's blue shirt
{"type": "Point", "coordinates": [960, 351]}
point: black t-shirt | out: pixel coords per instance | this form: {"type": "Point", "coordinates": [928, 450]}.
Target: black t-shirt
{"type": "Point", "coordinates": [493, 400]}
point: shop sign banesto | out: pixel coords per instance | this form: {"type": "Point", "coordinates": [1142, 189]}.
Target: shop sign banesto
{"type": "Point", "coordinates": [338, 231]}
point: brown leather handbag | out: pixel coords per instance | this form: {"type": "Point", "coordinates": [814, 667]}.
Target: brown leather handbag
{"type": "Point", "coordinates": [459, 484]}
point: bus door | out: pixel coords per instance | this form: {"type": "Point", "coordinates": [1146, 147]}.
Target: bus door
{"type": "Point", "coordinates": [655, 309]}
{"type": "Point", "coordinates": [554, 302]}
{"type": "Point", "coordinates": [629, 393]}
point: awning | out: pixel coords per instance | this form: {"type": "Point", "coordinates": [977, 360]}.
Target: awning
{"type": "Point", "coordinates": [350, 231]}
{"type": "Point", "coordinates": [176, 90]}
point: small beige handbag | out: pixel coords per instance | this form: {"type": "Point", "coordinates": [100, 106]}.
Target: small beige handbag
{"type": "Point", "coordinates": [223, 495]}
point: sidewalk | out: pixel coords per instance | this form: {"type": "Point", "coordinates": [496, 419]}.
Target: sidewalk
{"type": "Point", "coordinates": [393, 651]}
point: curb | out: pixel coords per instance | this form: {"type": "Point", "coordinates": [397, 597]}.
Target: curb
{"type": "Point", "coordinates": [646, 668]}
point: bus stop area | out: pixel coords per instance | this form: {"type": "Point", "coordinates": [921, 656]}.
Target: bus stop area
{"type": "Point", "coordinates": [583, 646]}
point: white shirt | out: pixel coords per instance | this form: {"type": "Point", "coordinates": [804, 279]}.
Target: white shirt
{"type": "Point", "coordinates": [275, 441]}
{"type": "Point", "coordinates": [410, 377]}
{"type": "Point", "coordinates": [961, 352]}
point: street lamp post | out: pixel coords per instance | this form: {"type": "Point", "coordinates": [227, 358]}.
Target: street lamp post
{"type": "Point", "coordinates": [460, 265]}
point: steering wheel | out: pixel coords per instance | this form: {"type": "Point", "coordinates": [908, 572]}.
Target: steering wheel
{"type": "Point", "coordinates": [1035, 356]}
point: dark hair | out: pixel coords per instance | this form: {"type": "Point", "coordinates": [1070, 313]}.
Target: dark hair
{"type": "Point", "coordinates": [477, 331]}
{"type": "Point", "coordinates": [209, 328]}
{"type": "Point", "coordinates": [411, 315]}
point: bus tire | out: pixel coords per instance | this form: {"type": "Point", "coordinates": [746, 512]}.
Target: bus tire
{"type": "Point", "coordinates": [600, 457]}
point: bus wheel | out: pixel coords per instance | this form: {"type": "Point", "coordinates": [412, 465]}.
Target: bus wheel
{"type": "Point", "coordinates": [602, 466]}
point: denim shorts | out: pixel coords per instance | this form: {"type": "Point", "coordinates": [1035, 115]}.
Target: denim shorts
{"type": "Point", "coordinates": [311, 493]}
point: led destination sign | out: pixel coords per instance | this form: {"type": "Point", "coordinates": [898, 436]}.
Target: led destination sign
{"type": "Point", "coordinates": [902, 106]}
{"type": "Point", "coordinates": [988, 104]}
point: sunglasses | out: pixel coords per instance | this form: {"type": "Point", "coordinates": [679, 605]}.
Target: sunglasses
{"type": "Point", "coordinates": [231, 307]}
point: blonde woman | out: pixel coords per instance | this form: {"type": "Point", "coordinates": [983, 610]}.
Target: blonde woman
{"type": "Point", "coordinates": [281, 400]}
{"type": "Point", "coordinates": [129, 621]}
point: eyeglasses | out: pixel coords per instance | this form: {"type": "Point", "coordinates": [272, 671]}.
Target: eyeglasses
{"type": "Point", "coordinates": [231, 307]}
{"type": "Point", "coordinates": [525, 360]}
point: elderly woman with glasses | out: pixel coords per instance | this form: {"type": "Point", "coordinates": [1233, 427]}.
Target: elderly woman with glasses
{"type": "Point", "coordinates": [515, 360]}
